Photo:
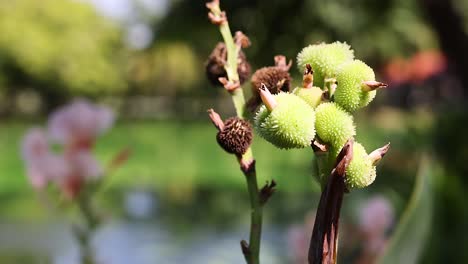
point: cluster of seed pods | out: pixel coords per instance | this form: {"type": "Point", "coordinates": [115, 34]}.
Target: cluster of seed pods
{"type": "Point", "coordinates": [334, 86]}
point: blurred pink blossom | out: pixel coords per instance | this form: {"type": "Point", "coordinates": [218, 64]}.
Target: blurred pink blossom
{"type": "Point", "coordinates": [41, 164]}
{"type": "Point", "coordinates": [76, 127]}
{"type": "Point", "coordinates": [298, 237]}
{"type": "Point", "coordinates": [84, 164]}
{"type": "Point", "coordinates": [79, 123]}
{"type": "Point", "coordinates": [376, 218]}
{"type": "Point", "coordinates": [34, 144]}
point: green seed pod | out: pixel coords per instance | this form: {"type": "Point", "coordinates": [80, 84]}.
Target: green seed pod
{"type": "Point", "coordinates": [312, 96]}
{"type": "Point", "coordinates": [333, 124]}
{"type": "Point", "coordinates": [353, 92]}
{"type": "Point", "coordinates": [360, 172]}
{"type": "Point", "coordinates": [236, 136]}
{"type": "Point", "coordinates": [287, 123]}
{"type": "Point", "coordinates": [325, 59]}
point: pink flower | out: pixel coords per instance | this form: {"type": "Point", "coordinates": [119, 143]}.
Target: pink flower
{"type": "Point", "coordinates": [376, 217]}
{"type": "Point", "coordinates": [83, 168]}
{"type": "Point", "coordinates": [36, 175]}
{"type": "Point", "coordinates": [298, 237]}
{"type": "Point", "coordinates": [79, 123]}
{"type": "Point", "coordinates": [34, 144]}
{"type": "Point", "coordinates": [69, 170]}
{"type": "Point", "coordinates": [42, 165]}
{"type": "Point", "coordinates": [75, 126]}
{"type": "Point", "coordinates": [85, 165]}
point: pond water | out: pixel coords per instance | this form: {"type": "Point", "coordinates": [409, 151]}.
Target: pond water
{"type": "Point", "coordinates": [147, 232]}
{"type": "Point", "coordinates": [123, 242]}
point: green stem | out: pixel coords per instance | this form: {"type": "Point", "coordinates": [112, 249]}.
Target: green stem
{"type": "Point", "coordinates": [232, 51]}
{"type": "Point", "coordinates": [91, 223]}
{"type": "Point", "coordinates": [238, 99]}
{"type": "Point", "coordinates": [239, 102]}
{"type": "Point", "coordinates": [84, 204]}
{"type": "Point", "coordinates": [323, 167]}
{"type": "Point", "coordinates": [255, 219]}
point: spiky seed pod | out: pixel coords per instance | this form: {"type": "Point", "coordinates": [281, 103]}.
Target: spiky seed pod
{"type": "Point", "coordinates": [350, 94]}
{"type": "Point", "coordinates": [312, 96]}
{"type": "Point", "coordinates": [333, 124]}
{"type": "Point", "coordinates": [236, 136]}
{"type": "Point", "coordinates": [214, 66]}
{"type": "Point", "coordinates": [360, 172]}
{"type": "Point", "coordinates": [289, 124]}
{"type": "Point", "coordinates": [325, 59]}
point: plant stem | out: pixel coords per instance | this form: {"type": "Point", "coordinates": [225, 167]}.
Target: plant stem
{"type": "Point", "coordinates": [91, 223]}
{"type": "Point", "coordinates": [239, 102]}
{"type": "Point", "coordinates": [84, 204]}
{"type": "Point", "coordinates": [251, 251]}
{"type": "Point", "coordinates": [323, 169]}
{"type": "Point", "coordinates": [232, 52]}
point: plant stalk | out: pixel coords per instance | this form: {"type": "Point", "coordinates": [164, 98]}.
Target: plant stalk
{"type": "Point", "coordinates": [91, 223]}
{"type": "Point", "coordinates": [251, 250]}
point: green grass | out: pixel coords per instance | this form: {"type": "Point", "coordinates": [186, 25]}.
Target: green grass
{"type": "Point", "coordinates": [179, 157]}
{"type": "Point", "coordinates": [175, 155]}
{"type": "Point", "coordinates": [180, 160]}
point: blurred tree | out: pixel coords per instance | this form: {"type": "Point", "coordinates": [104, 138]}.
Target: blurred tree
{"type": "Point", "coordinates": [451, 144]}
{"type": "Point", "coordinates": [378, 30]}
{"type": "Point", "coordinates": [449, 24]}
{"type": "Point", "coordinates": [166, 69]}
{"type": "Point", "coordinates": [59, 47]}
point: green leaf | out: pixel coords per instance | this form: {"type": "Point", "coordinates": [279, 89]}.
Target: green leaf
{"type": "Point", "coordinates": [411, 233]}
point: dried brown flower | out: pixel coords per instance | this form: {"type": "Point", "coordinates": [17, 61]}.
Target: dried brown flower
{"type": "Point", "coordinates": [214, 66]}
{"type": "Point", "coordinates": [236, 136]}
{"type": "Point", "coordinates": [275, 78]}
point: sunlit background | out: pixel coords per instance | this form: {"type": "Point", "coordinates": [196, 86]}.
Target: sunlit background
{"type": "Point", "coordinates": [179, 198]}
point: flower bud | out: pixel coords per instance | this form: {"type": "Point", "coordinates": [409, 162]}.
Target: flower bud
{"type": "Point", "coordinates": [214, 66]}
{"type": "Point", "coordinates": [235, 136]}
{"type": "Point", "coordinates": [356, 85]}
{"type": "Point", "coordinates": [286, 121]}
{"type": "Point", "coordinates": [333, 124]}
{"type": "Point", "coordinates": [325, 59]}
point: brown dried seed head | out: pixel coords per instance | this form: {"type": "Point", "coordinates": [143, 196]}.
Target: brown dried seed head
{"type": "Point", "coordinates": [236, 136]}
{"type": "Point", "coordinates": [275, 78]}
{"type": "Point", "coordinates": [214, 66]}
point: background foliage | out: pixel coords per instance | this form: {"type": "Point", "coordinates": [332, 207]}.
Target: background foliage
{"type": "Point", "coordinates": [145, 59]}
